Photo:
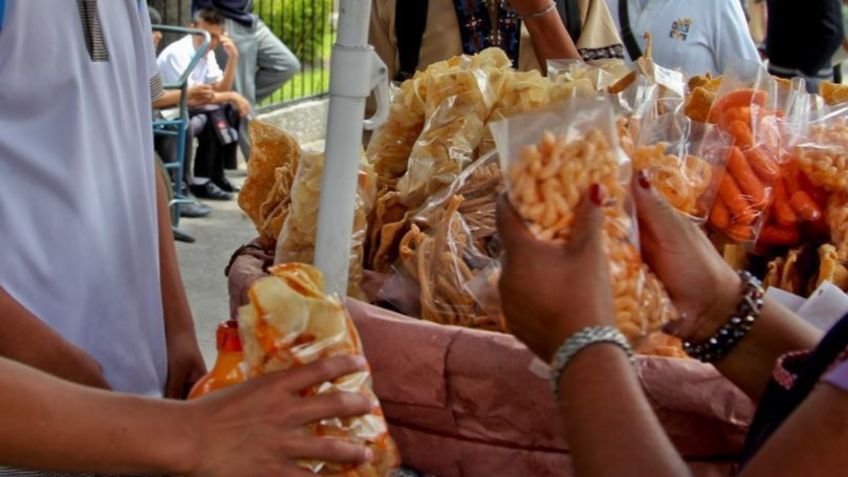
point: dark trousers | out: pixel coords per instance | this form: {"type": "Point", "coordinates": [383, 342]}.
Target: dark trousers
{"type": "Point", "coordinates": [217, 142]}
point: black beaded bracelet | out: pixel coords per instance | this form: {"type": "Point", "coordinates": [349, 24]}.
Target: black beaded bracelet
{"type": "Point", "coordinates": [731, 333]}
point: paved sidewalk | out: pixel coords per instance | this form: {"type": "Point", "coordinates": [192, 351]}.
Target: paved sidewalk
{"type": "Point", "coordinates": [202, 263]}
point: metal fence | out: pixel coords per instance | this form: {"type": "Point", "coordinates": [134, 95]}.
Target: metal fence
{"type": "Point", "coordinates": [307, 27]}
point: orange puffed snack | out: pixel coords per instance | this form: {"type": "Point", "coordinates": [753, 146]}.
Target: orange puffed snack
{"type": "Point", "coordinates": [546, 183]}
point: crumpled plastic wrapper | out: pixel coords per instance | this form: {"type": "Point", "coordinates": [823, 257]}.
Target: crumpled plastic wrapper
{"type": "Point", "coordinates": [290, 322]}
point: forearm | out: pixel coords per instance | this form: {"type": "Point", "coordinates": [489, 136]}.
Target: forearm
{"type": "Point", "coordinates": [50, 424]}
{"type": "Point", "coordinates": [777, 332]}
{"type": "Point", "coordinates": [39, 346]}
{"type": "Point", "coordinates": [610, 427]}
{"type": "Point", "coordinates": [170, 98]}
{"type": "Point", "coordinates": [226, 83]}
{"type": "Point", "coordinates": [178, 318]}
{"type": "Point", "coordinates": [550, 38]}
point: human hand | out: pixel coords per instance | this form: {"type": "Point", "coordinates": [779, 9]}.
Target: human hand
{"type": "Point", "coordinates": [185, 364]}
{"type": "Point", "coordinates": [241, 104]}
{"type": "Point", "coordinates": [229, 47]}
{"type": "Point", "coordinates": [702, 286]}
{"type": "Point", "coordinates": [257, 429]}
{"type": "Point", "coordinates": [200, 94]}
{"type": "Point", "coordinates": [550, 291]}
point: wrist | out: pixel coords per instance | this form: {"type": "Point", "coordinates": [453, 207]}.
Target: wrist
{"type": "Point", "coordinates": [535, 9]}
{"type": "Point", "coordinates": [728, 293]}
{"type": "Point", "coordinates": [179, 452]}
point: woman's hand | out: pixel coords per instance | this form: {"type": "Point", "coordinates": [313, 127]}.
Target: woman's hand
{"type": "Point", "coordinates": [703, 287]}
{"type": "Point", "coordinates": [550, 291]}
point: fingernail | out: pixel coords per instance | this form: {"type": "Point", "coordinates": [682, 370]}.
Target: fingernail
{"type": "Point", "coordinates": [643, 180]}
{"type": "Point", "coordinates": [596, 194]}
{"type": "Point", "coordinates": [369, 454]}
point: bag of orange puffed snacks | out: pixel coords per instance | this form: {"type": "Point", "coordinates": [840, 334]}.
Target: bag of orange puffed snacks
{"type": "Point", "coordinates": [550, 159]}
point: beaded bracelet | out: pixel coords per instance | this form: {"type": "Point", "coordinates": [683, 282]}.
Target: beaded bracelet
{"type": "Point", "coordinates": [578, 342]}
{"type": "Point", "coordinates": [731, 333]}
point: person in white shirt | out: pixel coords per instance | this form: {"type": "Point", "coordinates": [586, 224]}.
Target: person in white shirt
{"type": "Point", "coordinates": [694, 36]}
{"type": "Point", "coordinates": [215, 124]}
{"type": "Point", "coordinates": [90, 288]}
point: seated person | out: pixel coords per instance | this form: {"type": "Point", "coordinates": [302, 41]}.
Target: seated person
{"type": "Point", "coordinates": [696, 38]}
{"type": "Point", "coordinates": [529, 31]}
{"type": "Point", "coordinates": [214, 124]}
{"type": "Point", "coordinates": [798, 378]}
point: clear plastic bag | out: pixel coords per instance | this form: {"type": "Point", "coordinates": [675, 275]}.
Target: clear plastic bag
{"type": "Point", "coordinates": [436, 267]}
{"type": "Point", "coordinates": [684, 160]}
{"type": "Point", "coordinates": [550, 159]}
{"type": "Point", "coordinates": [296, 242]}
{"type": "Point", "coordinates": [822, 150]}
{"type": "Point", "coordinates": [458, 103]}
{"type": "Point", "coordinates": [746, 109]}
{"type": "Point", "coordinates": [291, 322]}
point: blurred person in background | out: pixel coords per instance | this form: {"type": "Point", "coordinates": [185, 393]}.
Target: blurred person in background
{"type": "Point", "coordinates": [216, 123]}
{"type": "Point", "coordinates": [264, 62]}
{"type": "Point", "coordinates": [802, 38]}
{"type": "Point", "coordinates": [695, 37]}
{"type": "Point", "coordinates": [409, 35]}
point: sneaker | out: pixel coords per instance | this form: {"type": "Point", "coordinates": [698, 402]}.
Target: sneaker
{"type": "Point", "coordinates": [181, 236]}
{"type": "Point", "coordinates": [195, 210]}
{"type": "Point", "coordinates": [209, 191]}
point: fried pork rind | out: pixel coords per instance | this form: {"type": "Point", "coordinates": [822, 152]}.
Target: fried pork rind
{"type": "Point", "coordinates": [272, 149]}
{"type": "Point", "coordinates": [704, 81]}
{"type": "Point", "coordinates": [699, 103]}
{"type": "Point", "coordinates": [833, 93]}
{"type": "Point", "coordinates": [774, 273]}
{"type": "Point", "coordinates": [516, 92]}
{"type": "Point", "coordinates": [831, 268]}
{"type": "Point", "coordinates": [547, 179]}
{"type": "Point", "coordinates": [444, 262]}
{"type": "Point", "coordinates": [459, 101]}
{"type": "Point", "coordinates": [297, 238]}
{"type": "Point", "coordinates": [823, 153]}
{"type": "Point", "coordinates": [791, 279]}
{"type": "Point", "coordinates": [291, 322]}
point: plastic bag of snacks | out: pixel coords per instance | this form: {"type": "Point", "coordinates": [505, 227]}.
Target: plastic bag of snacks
{"type": "Point", "coordinates": [684, 161]}
{"type": "Point", "coordinates": [458, 103]}
{"type": "Point", "coordinates": [300, 228]}
{"type": "Point", "coordinates": [745, 109]}
{"type": "Point", "coordinates": [290, 322]}
{"type": "Point", "coordinates": [550, 159]}
{"type": "Point", "coordinates": [822, 150]}
{"type": "Point", "coordinates": [435, 268]}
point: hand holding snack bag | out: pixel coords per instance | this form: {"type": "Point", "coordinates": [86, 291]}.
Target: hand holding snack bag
{"type": "Point", "coordinates": [291, 322]}
{"type": "Point", "coordinates": [551, 158]}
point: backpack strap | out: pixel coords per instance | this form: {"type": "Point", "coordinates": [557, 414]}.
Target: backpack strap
{"type": "Point", "coordinates": [626, 32]}
{"type": "Point", "coordinates": [569, 12]}
{"type": "Point", "coordinates": [410, 23]}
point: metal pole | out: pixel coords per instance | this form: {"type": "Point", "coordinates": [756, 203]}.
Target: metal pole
{"type": "Point", "coordinates": [350, 84]}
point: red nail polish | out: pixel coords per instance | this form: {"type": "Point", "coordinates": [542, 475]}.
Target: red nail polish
{"type": "Point", "coordinates": [596, 194]}
{"type": "Point", "coordinates": [643, 180]}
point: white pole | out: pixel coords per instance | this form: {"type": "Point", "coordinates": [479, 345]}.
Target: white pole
{"type": "Point", "coordinates": [350, 84]}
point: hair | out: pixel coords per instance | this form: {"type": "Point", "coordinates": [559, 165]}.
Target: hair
{"type": "Point", "coordinates": [209, 15]}
{"type": "Point", "coordinates": [155, 17]}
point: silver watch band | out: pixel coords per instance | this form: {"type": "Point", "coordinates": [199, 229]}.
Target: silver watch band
{"type": "Point", "coordinates": [579, 341]}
